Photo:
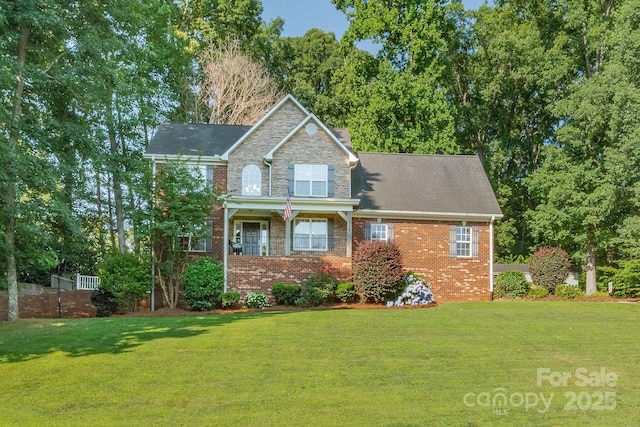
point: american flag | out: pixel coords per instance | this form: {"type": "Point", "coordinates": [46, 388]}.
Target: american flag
{"type": "Point", "coordinates": [287, 208]}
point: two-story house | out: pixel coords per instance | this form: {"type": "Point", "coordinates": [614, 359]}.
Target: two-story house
{"type": "Point", "coordinates": [299, 201]}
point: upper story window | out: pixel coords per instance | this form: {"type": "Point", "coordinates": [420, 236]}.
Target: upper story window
{"type": "Point", "coordinates": [251, 181]}
{"type": "Point", "coordinates": [464, 241]}
{"type": "Point", "coordinates": [201, 173]}
{"type": "Point", "coordinates": [311, 180]}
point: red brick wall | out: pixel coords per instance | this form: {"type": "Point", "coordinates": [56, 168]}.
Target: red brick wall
{"type": "Point", "coordinates": [251, 273]}
{"type": "Point", "coordinates": [425, 250]}
{"type": "Point", "coordinates": [43, 303]}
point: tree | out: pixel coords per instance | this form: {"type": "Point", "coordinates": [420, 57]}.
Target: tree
{"type": "Point", "coordinates": [179, 213]}
{"type": "Point", "coordinates": [237, 89]}
{"type": "Point", "coordinates": [403, 106]}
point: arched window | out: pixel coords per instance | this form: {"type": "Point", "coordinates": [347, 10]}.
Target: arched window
{"type": "Point", "coordinates": [251, 181]}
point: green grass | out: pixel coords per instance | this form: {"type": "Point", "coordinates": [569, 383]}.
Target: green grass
{"type": "Point", "coordinates": [396, 367]}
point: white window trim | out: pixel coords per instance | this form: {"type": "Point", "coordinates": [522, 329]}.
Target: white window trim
{"type": "Point", "coordinates": [322, 169]}
{"type": "Point", "coordinates": [383, 229]}
{"type": "Point", "coordinates": [310, 246]}
{"type": "Point", "coordinates": [468, 244]}
{"type": "Point", "coordinates": [249, 175]}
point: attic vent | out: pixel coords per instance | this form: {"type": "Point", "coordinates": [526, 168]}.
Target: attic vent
{"type": "Point", "coordinates": [311, 128]}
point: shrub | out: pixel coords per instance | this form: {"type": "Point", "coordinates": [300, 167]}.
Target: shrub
{"type": "Point", "coordinates": [537, 292]}
{"type": "Point", "coordinates": [377, 270]}
{"type": "Point", "coordinates": [549, 266]}
{"type": "Point", "coordinates": [229, 299]}
{"type": "Point", "coordinates": [511, 284]}
{"type": "Point", "coordinates": [567, 291]}
{"type": "Point", "coordinates": [285, 293]}
{"type": "Point", "coordinates": [203, 283]}
{"type": "Point", "coordinates": [127, 277]}
{"type": "Point", "coordinates": [626, 279]}
{"type": "Point", "coordinates": [346, 292]}
{"type": "Point", "coordinates": [256, 299]}
{"type": "Point", "coordinates": [104, 301]}
{"type": "Point", "coordinates": [317, 289]}
{"type": "Point", "coordinates": [417, 292]}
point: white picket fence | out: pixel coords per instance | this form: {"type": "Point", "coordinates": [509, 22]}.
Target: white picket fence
{"type": "Point", "coordinates": [87, 283]}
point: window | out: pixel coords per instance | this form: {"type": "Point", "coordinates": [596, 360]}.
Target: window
{"type": "Point", "coordinates": [310, 235]}
{"type": "Point", "coordinates": [464, 241]}
{"type": "Point", "coordinates": [202, 173]}
{"type": "Point", "coordinates": [251, 181]}
{"type": "Point", "coordinates": [378, 231]}
{"type": "Point", "coordinates": [199, 241]}
{"type": "Point", "coordinates": [311, 180]}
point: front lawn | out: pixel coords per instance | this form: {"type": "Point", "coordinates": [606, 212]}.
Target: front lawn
{"type": "Point", "coordinates": [449, 365]}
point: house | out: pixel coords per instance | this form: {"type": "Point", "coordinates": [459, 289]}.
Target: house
{"type": "Point", "coordinates": [440, 210]}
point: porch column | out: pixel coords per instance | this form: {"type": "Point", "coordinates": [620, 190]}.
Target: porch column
{"type": "Point", "coordinates": [287, 233]}
{"type": "Point", "coordinates": [348, 217]}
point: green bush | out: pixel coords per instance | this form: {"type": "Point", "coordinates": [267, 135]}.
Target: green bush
{"type": "Point", "coordinates": [256, 299]}
{"type": "Point", "coordinates": [229, 299]}
{"type": "Point", "coordinates": [511, 284]}
{"type": "Point", "coordinates": [549, 266]}
{"type": "Point", "coordinates": [127, 277]}
{"type": "Point", "coordinates": [346, 292]}
{"type": "Point", "coordinates": [626, 279]}
{"type": "Point", "coordinates": [377, 270]}
{"type": "Point", "coordinates": [537, 292]}
{"type": "Point", "coordinates": [104, 301]}
{"type": "Point", "coordinates": [317, 289]}
{"type": "Point", "coordinates": [567, 291]}
{"type": "Point", "coordinates": [203, 283]}
{"type": "Point", "coordinates": [285, 293]}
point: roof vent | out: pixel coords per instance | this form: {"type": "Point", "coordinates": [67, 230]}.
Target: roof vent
{"type": "Point", "coordinates": [311, 128]}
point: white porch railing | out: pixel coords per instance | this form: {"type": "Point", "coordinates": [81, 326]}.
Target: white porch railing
{"type": "Point", "coordinates": [87, 283]}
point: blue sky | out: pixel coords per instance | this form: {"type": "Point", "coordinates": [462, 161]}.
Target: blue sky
{"type": "Point", "coordinates": [302, 15]}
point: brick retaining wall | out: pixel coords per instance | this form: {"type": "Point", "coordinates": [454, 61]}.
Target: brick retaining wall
{"type": "Point", "coordinates": [36, 301]}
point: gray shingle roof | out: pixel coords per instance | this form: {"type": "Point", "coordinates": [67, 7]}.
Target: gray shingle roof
{"type": "Point", "coordinates": [194, 139]}
{"type": "Point", "coordinates": [423, 183]}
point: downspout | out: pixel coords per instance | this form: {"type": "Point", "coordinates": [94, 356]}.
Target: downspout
{"type": "Point", "coordinates": [153, 270]}
{"type": "Point", "coordinates": [493, 218]}
{"type": "Point", "coordinates": [225, 251]}
{"type": "Point", "coordinates": [269, 166]}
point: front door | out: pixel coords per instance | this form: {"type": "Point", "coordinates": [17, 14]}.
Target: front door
{"type": "Point", "coordinates": [251, 238]}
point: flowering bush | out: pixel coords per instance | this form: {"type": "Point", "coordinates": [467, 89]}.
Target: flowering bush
{"type": "Point", "coordinates": [256, 299]}
{"type": "Point", "coordinates": [416, 292]}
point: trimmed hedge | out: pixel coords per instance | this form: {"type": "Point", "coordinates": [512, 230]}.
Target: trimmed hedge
{"type": "Point", "coordinates": [285, 293]}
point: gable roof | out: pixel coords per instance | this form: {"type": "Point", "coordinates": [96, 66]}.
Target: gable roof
{"type": "Point", "coordinates": [264, 118]}
{"type": "Point", "coordinates": [416, 185]}
{"type": "Point", "coordinates": [311, 118]}
{"type": "Point", "coordinates": [187, 139]}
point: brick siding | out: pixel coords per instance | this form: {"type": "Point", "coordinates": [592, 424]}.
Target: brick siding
{"type": "Point", "coordinates": [36, 301]}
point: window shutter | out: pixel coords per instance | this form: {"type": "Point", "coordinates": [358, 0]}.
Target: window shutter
{"type": "Point", "coordinates": [474, 242]}
{"type": "Point", "coordinates": [367, 231]}
{"type": "Point", "coordinates": [209, 176]}
{"type": "Point", "coordinates": [330, 235]}
{"type": "Point", "coordinates": [291, 177]}
{"type": "Point", "coordinates": [330, 180]}
{"type": "Point", "coordinates": [209, 240]}
{"type": "Point", "coordinates": [390, 233]}
{"type": "Point", "coordinates": [452, 242]}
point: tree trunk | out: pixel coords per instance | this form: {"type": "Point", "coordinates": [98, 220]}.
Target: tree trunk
{"type": "Point", "coordinates": [115, 174]}
{"type": "Point", "coordinates": [591, 266]}
{"type": "Point", "coordinates": [101, 240]}
{"type": "Point", "coordinates": [12, 182]}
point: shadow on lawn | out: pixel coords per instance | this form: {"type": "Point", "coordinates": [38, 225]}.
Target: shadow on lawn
{"type": "Point", "coordinates": [82, 337]}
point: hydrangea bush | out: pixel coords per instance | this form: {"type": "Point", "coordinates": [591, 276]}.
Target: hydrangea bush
{"type": "Point", "coordinates": [416, 292]}
{"type": "Point", "coordinates": [256, 299]}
